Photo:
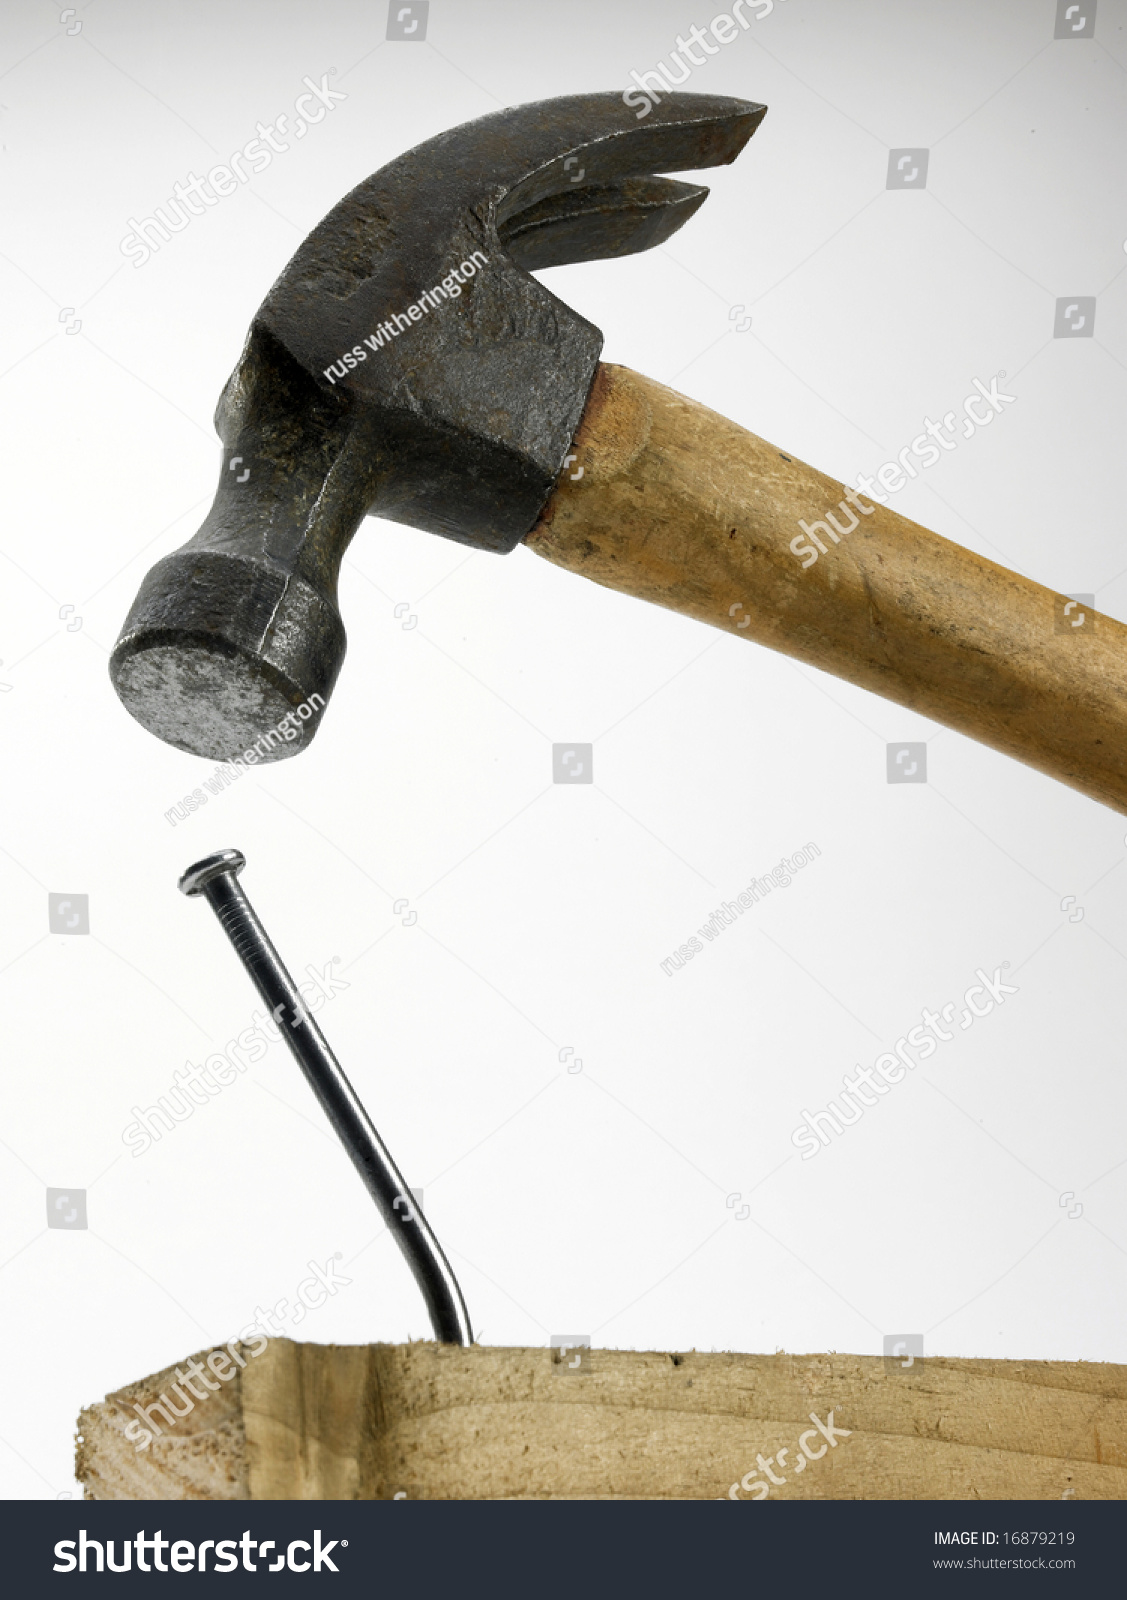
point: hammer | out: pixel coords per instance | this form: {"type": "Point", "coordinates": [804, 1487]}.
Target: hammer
{"type": "Point", "coordinates": [406, 364]}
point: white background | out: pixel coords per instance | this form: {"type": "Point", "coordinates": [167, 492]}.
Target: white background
{"type": "Point", "coordinates": [589, 1201]}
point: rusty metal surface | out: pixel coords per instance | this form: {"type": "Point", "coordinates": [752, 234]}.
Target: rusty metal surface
{"type": "Point", "coordinates": [457, 424]}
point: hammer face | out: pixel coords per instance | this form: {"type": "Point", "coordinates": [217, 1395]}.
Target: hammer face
{"type": "Point", "coordinates": [207, 704]}
{"type": "Point", "coordinates": [228, 658]}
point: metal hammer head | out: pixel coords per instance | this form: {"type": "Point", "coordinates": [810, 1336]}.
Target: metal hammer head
{"type": "Point", "coordinates": [405, 364]}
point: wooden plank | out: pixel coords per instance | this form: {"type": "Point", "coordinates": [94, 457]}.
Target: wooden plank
{"type": "Point", "coordinates": [438, 1422]}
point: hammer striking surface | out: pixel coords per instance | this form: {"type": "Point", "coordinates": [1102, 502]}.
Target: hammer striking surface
{"type": "Point", "coordinates": [463, 419]}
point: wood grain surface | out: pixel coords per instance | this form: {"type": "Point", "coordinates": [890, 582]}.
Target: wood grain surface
{"type": "Point", "coordinates": [436, 1422]}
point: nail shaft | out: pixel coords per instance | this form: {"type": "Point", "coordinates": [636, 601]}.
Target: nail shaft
{"type": "Point", "coordinates": [215, 879]}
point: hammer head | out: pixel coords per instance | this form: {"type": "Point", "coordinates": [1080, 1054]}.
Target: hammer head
{"type": "Point", "coordinates": [405, 364]}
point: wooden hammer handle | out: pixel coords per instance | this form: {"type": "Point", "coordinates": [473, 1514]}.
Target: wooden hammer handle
{"type": "Point", "coordinates": [670, 502]}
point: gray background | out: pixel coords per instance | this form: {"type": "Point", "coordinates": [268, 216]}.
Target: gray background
{"type": "Point", "coordinates": [983, 1203]}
